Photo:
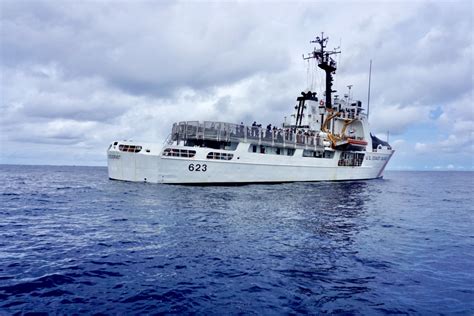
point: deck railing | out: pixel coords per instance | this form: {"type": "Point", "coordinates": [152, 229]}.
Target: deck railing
{"type": "Point", "coordinates": [228, 132]}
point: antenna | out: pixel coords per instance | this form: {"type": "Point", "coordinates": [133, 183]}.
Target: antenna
{"type": "Point", "coordinates": [349, 87]}
{"type": "Point", "coordinates": [326, 63]}
{"type": "Point", "coordinates": [368, 93]}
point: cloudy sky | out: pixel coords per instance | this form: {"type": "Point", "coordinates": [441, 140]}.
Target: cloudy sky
{"type": "Point", "coordinates": [77, 75]}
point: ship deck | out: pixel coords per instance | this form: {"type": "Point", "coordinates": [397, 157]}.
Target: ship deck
{"type": "Point", "coordinates": [236, 133]}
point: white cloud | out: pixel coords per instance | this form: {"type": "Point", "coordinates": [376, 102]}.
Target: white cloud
{"type": "Point", "coordinates": [422, 148]}
{"type": "Point", "coordinates": [455, 129]}
{"type": "Point", "coordinates": [84, 73]}
{"type": "Point", "coordinates": [396, 118]}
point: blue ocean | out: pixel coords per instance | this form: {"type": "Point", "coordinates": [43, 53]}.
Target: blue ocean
{"type": "Point", "coordinates": [74, 242]}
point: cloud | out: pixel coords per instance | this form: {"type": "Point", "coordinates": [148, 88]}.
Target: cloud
{"type": "Point", "coordinates": [81, 74]}
{"type": "Point", "coordinates": [457, 125]}
{"type": "Point", "coordinates": [396, 118]}
{"type": "Point", "coordinates": [54, 132]}
{"type": "Point", "coordinates": [145, 47]}
{"type": "Point", "coordinates": [422, 148]}
{"type": "Point", "coordinates": [43, 91]}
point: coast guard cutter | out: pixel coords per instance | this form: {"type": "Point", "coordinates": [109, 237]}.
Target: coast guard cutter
{"type": "Point", "coordinates": [326, 138]}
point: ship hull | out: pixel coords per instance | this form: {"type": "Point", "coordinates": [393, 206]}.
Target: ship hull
{"type": "Point", "coordinates": [247, 168]}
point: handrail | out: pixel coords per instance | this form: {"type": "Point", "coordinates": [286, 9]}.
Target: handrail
{"type": "Point", "coordinates": [228, 132]}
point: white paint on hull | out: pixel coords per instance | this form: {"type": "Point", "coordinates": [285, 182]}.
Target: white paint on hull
{"type": "Point", "coordinates": [245, 167]}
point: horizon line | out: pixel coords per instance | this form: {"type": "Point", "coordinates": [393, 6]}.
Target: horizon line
{"type": "Point", "coordinates": [105, 166]}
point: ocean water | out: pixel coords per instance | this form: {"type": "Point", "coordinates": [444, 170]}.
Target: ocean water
{"type": "Point", "coordinates": [74, 242]}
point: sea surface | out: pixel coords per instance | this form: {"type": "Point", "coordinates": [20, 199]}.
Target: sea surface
{"type": "Point", "coordinates": [74, 242]}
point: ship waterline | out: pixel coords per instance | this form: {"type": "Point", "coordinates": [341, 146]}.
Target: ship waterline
{"type": "Point", "coordinates": [158, 169]}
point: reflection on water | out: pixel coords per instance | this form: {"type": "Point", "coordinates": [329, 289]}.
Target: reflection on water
{"type": "Point", "coordinates": [334, 209]}
{"type": "Point", "coordinates": [328, 223]}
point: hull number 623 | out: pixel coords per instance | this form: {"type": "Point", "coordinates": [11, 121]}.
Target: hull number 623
{"type": "Point", "coordinates": [197, 167]}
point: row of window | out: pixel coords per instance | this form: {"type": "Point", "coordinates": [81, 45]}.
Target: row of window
{"type": "Point", "coordinates": [184, 153]}
{"type": "Point", "coordinates": [171, 152]}
{"type": "Point", "coordinates": [318, 154]}
{"type": "Point", "coordinates": [261, 149]}
{"type": "Point", "coordinates": [289, 151]}
{"type": "Point", "coordinates": [130, 148]}
{"type": "Point", "coordinates": [351, 159]}
{"type": "Point", "coordinates": [219, 156]}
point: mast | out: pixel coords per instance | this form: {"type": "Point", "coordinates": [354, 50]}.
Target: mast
{"type": "Point", "coordinates": [326, 63]}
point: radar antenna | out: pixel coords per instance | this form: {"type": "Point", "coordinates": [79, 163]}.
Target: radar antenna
{"type": "Point", "coordinates": [326, 63]}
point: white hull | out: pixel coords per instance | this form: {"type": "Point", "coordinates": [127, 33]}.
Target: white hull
{"type": "Point", "coordinates": [245, 167]}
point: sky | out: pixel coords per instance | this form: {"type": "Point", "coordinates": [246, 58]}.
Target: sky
{"type": "Point", "coordinates": [78, 75]}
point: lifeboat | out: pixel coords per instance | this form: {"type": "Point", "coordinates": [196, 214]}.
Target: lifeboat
{"type": "Point", "coordinates": [356, 142]}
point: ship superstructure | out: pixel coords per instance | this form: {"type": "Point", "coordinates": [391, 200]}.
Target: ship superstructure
{"type": "Point", "coordinates": [326, 138]}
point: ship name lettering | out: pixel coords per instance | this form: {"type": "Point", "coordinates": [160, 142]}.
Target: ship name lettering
{"type": "Point", "coordinates": [113, 156]}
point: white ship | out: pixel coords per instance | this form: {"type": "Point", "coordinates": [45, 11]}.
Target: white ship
{"type": "Point", "coordinates": [326, 139]}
